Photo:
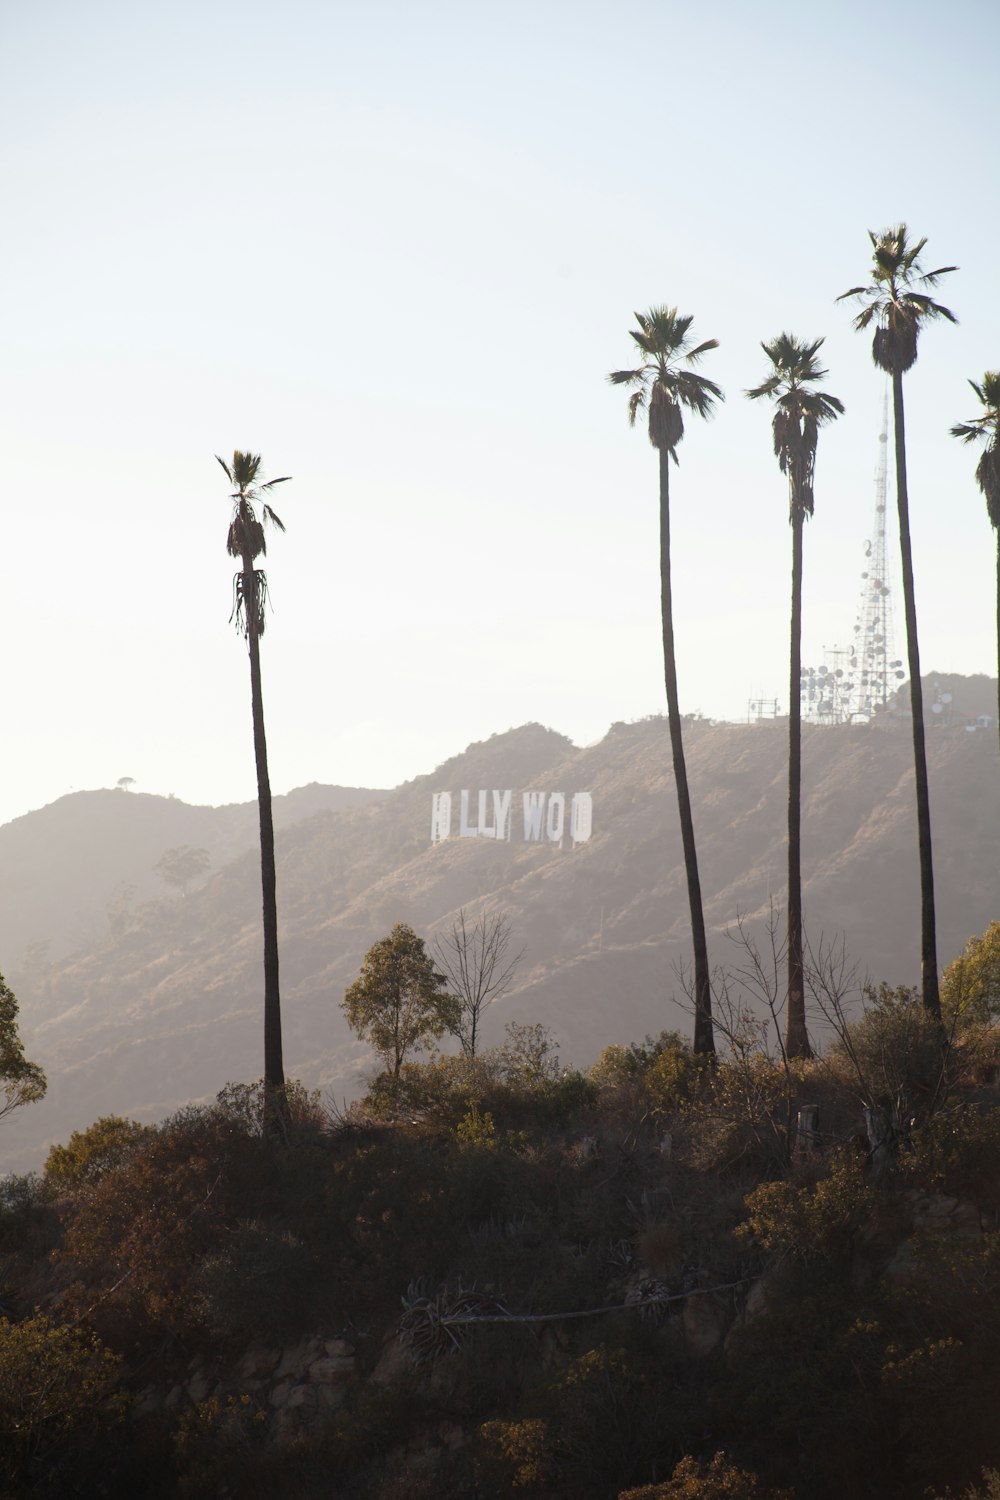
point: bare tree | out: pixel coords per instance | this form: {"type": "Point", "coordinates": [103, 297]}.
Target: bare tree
{"type": "Point", "coordinates": [479, 966]}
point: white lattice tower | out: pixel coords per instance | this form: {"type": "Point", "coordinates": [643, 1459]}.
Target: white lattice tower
{"type": "Point", "coordinates": [875, 672]}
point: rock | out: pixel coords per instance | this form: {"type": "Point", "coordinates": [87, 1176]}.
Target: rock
{"type": "Point", "coordinates": [301, 1395]}
{"type": "Point", "coordinates": [339, 1349]}
{"type": "Point", "coordinates": [257, 1363]}
{"type": "Point", "coordinates": [280, 1393]}
{"type": "Point", "coordinates": [199, 1386]}
{"type": "Point", "coordinates": [148, 1399]}
{"type": "Point", "coordinates": [705, 1321]}
{"type": "Point", "coordinates": [393, 1362]}
{"type": "Point", "coordinates": [330, 1397]}
{"type": "Point", "coordinates": [297, 1359]}
{"type": "Point", "coordinates": [332, 1370]}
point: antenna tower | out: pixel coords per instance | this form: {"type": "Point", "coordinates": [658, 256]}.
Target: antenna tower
{"type": "Point", "coordinates": [857, 683]}
{"type": "Point", "coordinates": [876, 673]}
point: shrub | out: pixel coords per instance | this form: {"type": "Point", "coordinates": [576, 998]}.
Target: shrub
{"type": "Point", "coordinates": [970, 986]}
{"type": "Point", "coordinates": [59, 1395]}
{"type": "Point", "coordinates": [811, 1221]}
{"type": "Point", "coordinates": [718, 1480]}
{"type": "Point", "coordinates": [90, 1154]}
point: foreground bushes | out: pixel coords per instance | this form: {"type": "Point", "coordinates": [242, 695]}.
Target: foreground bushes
{"type": "Point", "coordinates": [705, 1298]}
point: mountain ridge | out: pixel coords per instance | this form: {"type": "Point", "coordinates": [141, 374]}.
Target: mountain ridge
{"type": "Point", "coordinates": [163, 1004]}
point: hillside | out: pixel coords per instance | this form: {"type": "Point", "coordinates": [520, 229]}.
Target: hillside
{"type": "Point", "coordinates": [165, 1005]}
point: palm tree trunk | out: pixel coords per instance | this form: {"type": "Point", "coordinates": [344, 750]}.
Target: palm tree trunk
{"type": "Point", "coordinates": [998, 630]}
{"type": "Point", "coordinates": [928, 939]}
{"type": "Point", "coordinates": [704, 1040]}
{"type": "Point", "coordinates": [796, 1038]}
{"type": "Point", "coordinates": [274, 1075]}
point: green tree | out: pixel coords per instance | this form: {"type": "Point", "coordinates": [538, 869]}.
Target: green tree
{"type": "Point", "coordinates": [663, 386]}
{"type": "Point", "coordinates": [897, 304]}
{"type": "Point", "coordinates": [398, 1002]}
{"type": "Point", "coordinates": [986, 429]}
{"type": "Point", "coordinates": [800, 411]}
{"type": "Point", "coordinates": [21, 1081]}
{"type": "Point", "coordinates": [60, 1391]}
{"type": "Point", "coordinates": [970, 986]}
{"type": "Point", "coordinates": [91, 1154]}
{"type": "Point", "coordinates": [718, 1480]}
{"type": "Point", "coordinates": [182, 865]}
{"type": "Point", "coordinates": [247, 542]}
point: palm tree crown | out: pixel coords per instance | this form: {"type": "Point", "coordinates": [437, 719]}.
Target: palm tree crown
{"type": "Point", "coordinates": [986, 428]}
{"type": "Point", "coordinates": [246, 539]}
{"type": "Point", "coordinates": [662, 386]}
{"type": "Point", "coordinates": [800, 412]}
{"type": "Point", "coordinates": [895, 300]}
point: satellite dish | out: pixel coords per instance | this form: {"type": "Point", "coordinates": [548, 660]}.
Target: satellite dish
{"type": "Point", "coordinates": [823, 671]}
{"type": "Point", "coordinates": [945, 697]}
{"type": "Point", "coordinates": [936, 708]}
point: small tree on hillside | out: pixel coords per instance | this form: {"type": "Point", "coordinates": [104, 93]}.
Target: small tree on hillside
{"type": "Point", "coordinates": [182, 865]}
{"type": "Point", "coordinates": [398, 1003]}
{"type": "Point", "coordinates": [21, 1081]}
{"type": "Point", "coordinates": [478, 966]}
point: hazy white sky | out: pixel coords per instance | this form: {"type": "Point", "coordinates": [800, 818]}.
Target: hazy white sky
{"type": "Point", "coordinates": [395, 249]}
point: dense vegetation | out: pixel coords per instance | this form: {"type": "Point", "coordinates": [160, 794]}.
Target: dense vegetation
{"type": "Point", "coordinates": [730, 1281]}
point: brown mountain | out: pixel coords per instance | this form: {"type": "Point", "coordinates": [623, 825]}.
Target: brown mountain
{"type": "Point", "coordinates": [165, 1005]}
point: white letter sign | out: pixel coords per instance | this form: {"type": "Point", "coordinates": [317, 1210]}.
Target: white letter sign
{"type": "Point", "coordinates": [440, 816]}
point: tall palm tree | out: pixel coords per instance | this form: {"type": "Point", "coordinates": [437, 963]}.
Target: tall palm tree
{"type": "Point", "coordinates": [246, 541]}
{"type": "Point", "coordinates": [800, 411]}
{"type": "Point", "coordinates": [897, 304]}
{"type": "Point", "coordinates": [663, 387]}
{"type": "Point", "coordinates": [986, 428]}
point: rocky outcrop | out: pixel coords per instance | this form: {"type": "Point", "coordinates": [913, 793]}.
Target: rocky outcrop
{"type": "Point", "coordinates": [293, 1384]}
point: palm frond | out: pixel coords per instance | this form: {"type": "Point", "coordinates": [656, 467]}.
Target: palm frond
{"type": "Point", "coordinates": [636, 403]}
{"type": "Point", "coordinates": [627, 377]}
{"type": "Point", "coordinates": [273, 517]}
{"type": "Point", "coordinates": [225, 469]}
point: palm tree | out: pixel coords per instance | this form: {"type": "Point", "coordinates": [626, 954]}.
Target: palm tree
{"type": "Point", "coordinates": [663, 387]}
{"type": "Point", "coordinates": [246, 541]}
{"type": "Point", "coordinates": [986, 428]}
{"type": "Point", "coordinates": [898, 305]}
{"type": "Point", "coordinates": [800, 411]}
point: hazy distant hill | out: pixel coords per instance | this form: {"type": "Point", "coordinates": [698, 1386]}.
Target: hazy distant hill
{"type": "Point", "coordinates": [166, 1006]}
{"type": "Point", "coordinates": [62, 866]}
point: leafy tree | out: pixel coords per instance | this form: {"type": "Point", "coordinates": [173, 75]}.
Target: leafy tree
{"type": "Point", "coordinates": [986, 429]}
{"type": "Point", "coordinates": [663, 387]}
{"type": "Point", "coordinates": [398, 1002]}
{"type": "Point", "coordinates": [246, 541]}
{"type": "Point", "coordinates": [897, 304]}
{"type": "Point", "coordinates": [60, 1390]}
{"type": "Point", "coordinates": [182, 865]}
{"type": "Point", "coordinates": [800, 411]}
{"type": "Point", "coordinates": [478, 967]}
{"type": "Point", "coordinates": [21, 1081]}
{"type": "Point", "coordinates": [718, 1480]}
{"type": "Point", "coordinates": [90, 1154]}
{"type": "Point", "coordinates": [970, 986]}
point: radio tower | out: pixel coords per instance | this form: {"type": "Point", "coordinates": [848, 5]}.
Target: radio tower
{"type": "Point", "coordinates": [857, 683]}
{"type": "Point", "coordinates": [875, 671]}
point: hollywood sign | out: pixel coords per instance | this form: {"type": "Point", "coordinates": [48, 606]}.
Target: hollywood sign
{"type": "Point", "coordinates": [545, 817]}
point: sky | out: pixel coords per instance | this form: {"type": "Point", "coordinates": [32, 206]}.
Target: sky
{"type": "Point", "coordinates": [395, 249]}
